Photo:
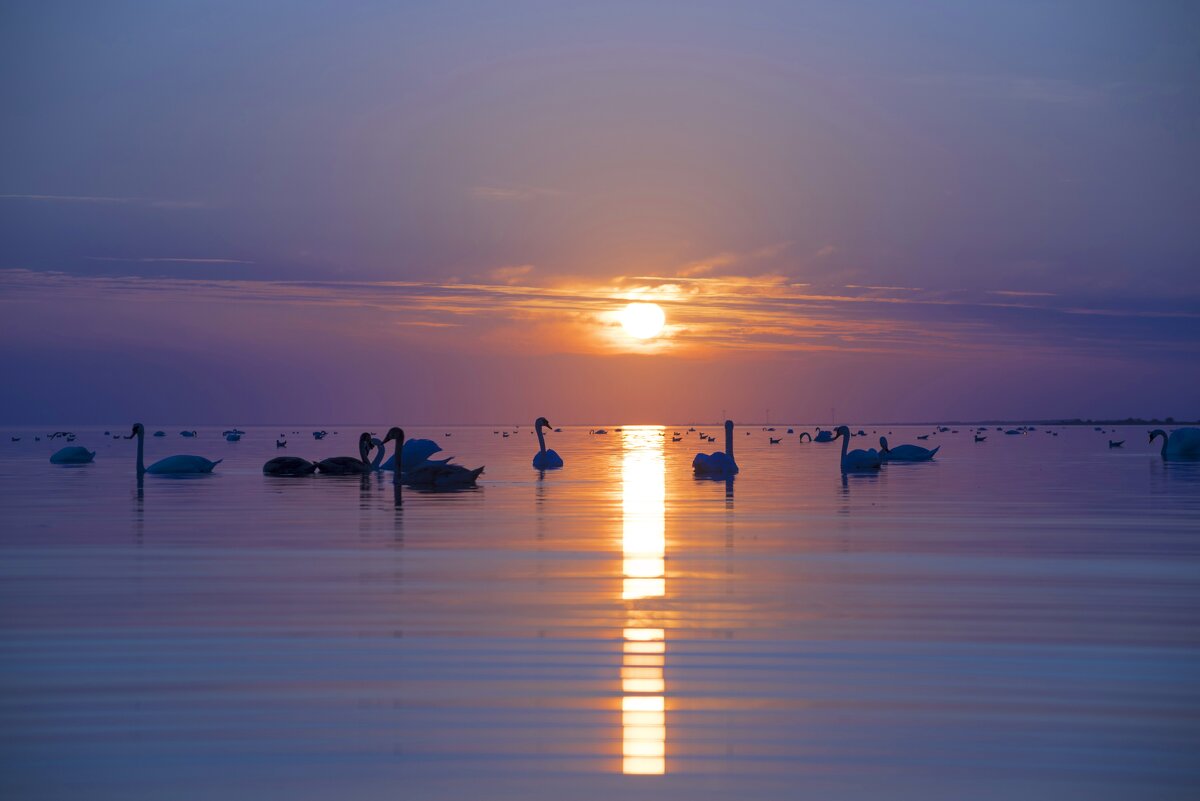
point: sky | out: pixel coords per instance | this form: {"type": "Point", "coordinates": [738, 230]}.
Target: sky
{"type": "Point", "coordinates": [229, 212]}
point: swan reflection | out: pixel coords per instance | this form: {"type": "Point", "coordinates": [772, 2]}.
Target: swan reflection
{"type": "Point", "coordinates": [644, 546]}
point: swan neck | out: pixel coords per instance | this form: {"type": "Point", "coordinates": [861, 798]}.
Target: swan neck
{"type": "Point", "coordinates": [141, 464]}
{"type": "Point", "coordinates": [378, 460]}
{"type": "Point", "coordinates": [541, 440]}
{"type": "Point", "coordinates": [729, 441]}
{"type": "Point", "coordinates": [845, 443]}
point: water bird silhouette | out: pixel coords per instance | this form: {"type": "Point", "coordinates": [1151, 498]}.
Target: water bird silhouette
{"type": "Point", "coordinates": [72, 454]}
{"type": "Point", "coordinates": [857, 459]}
{"type": "Point", "coordinates": [1112, 443]}
{"type": "Point", "coordinates": [181, 464]}
{"type": "Point", "coordinates": [348, 465]}
{"type": "Point", "coordinates": [546, 459]}
{"type": "Point", "coordinates": [717, 464]}
{"type": "Point", "coordinates": [1183, 443]}
{"type": "Point", "coordinates": [905, 453]}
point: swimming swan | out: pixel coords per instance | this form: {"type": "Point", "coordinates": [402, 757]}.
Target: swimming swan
{"type": "Point", "coordinates": [825, 436]}
{"type": "Point", "coordinates": [413, 453]}
{"type": "Point", "coordinates": [717, 463]}
{"type": "Point", "coordinates": [856, 459]}
{"type": "Point", "coordinates": [545, 459]}
{"type": "Point", "coordinates": [72, 454]}
{"type": "Point", "coordinates": [436, 474]}
{"type": "Point", "coordinates": [1183, 443]}
{"type": "Point", "coordinates": [174, 465]}
{"type": "Point", "coordinates": [289, 466]}
{"type": "Point", "coordinates": [804, 434]}
{"type": "Point", "coordinates": [348, 465]}
{"type": "Point", "coordinates": [905, 453]}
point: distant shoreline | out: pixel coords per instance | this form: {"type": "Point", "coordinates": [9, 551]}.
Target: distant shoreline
{"type": "Point", "coordinates": [1129, 421]}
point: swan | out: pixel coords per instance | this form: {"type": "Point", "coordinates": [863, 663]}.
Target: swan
{"type": "Point", "coordinates": [188, 434]}
{"type": "Point", "coordinates": [979, 438]}
{"type": "Point", "coordinates": [545, 459]}
{"type": "Point", "coordinates": [804, 434]}
{"type": "Point", "coordinates": [717, 464]}
{"type": "Point", "coordinates": [856, 459]}
{"type": "Point", "coordinates": [1183, 443]}
{"type": "Point", "coordinates": [1115, 443]}
{"type": "Point", "coordinates": [180, 464]}
{"type": "Point", "coordinates": [427, 474]}
{"type": "Point", "coordinates": [905, 453]}
{"type": "Point", "coordinates": [824, 436]}
{"type": "Point", "coordinates": [413, 453]}
{"type": "Point", "coordinates": [774, 441]}
{"type": "Point", "coordinates": [922, 436]}
{"type": "Point", "coordinates": [281, 443]}
{"type": "Point", "coordinates": [160, 433]}
{"type": "Point", "coordinates": [348, 465]}
{"type": "Point", "coordinates": [289, 466]}
{"type": "Point", "coordinates": [72, 454]}
{"type": "Point", "coordinates": [232, 436]}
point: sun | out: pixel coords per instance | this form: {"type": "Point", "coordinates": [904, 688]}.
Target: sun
{"type": "Point", "coordinates": [642, 320]}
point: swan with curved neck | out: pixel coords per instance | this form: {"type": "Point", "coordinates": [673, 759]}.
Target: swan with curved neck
{"type": "Point", "coordinates": [856, 459]}
{"type": "Point", "coordinates": [72, 454]}
{"type": "Point", "coordinates": [438, 474]}
{"type": "Point", "coordinates": [1182, 443]}
{"type": "Point", "coordinates": [717, 463]}
{"type": "Point", "coordinates": [545, 459]}
{"type": "Point", "coordinates": [348, 465]}
{"type": "Point", "coordinates": [804, 434]}
{"type": "Point", "coordinates": [905, 453]}
{"type": "Point", "coordinates": [173, 465]}
{"type": "Point", "coordinates": [824, 436]}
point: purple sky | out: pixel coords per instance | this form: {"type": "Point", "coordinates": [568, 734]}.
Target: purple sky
{"type": "Point", "coordinates": [230, 212]}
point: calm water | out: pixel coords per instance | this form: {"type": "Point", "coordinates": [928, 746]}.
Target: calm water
{"type": "Point", "coordinates": [1018, 619]}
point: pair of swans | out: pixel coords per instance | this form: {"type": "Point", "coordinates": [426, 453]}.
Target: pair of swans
{"type": "Point", "coordinates": [416, 468]}
{"type": "Point", "coordinates": [717, 464]}
{"type": "Point", "coordinates": [1183, 443]}
{"type": "Point", "coordinates": [905, 453]}
{"type": "Point", "coordinates": [546, 459]}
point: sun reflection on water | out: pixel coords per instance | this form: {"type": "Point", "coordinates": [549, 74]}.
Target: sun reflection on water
{"type": "Point", "coordinates": [644, 546]}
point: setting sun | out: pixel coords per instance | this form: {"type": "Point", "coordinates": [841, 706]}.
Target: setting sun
{"type": "Point", "coordinates": [642, 320]}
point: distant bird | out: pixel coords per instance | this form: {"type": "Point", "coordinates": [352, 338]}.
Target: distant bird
{"type": "Point", "coordinates": [280, 443]}
{"type": "Point", "coordinates": [188, 434]}
{"type": "Point", "coordinates": [15, 439]}
{"type": "Point", "coordinates": [175, 465]}
{"type": "Point", "coordinates": [676, 439]}
{"type": "Point", "coordinates": [160, 433]}
{"type": "Point", "coordinates": [232, 436]}
{"type": "Point", "coordinates": [856, 459]}
{"type": "Point", "coordinates": [717, 464]}
{"type": "Point", "coordinates": [1183, 443]}
{"type": "Point", "coordinates": [804, 434]}
{"type": "Point", "coordinates": [605, 430]}
{"type": "Point", "coordinates": [922, 436]}
{"type": "Point", "coordinates": [348, 465]}
{"type": "Point", "coordinates": [546, 459]}
{"type": "Point", "coordinates": [506, 435]}
{"type": "Point", "coordinates": [1012, 432]}
{"type": "Point", "coordinates": [826, 436]}
{"type": "Point", "coordinates": [790, 431]}
{"type": "Point", "coordinates": [72, 455]}
{"type": "Point", "coordinates": [1112, 443]}
{"type": "Point", "coordinates": [319, 434]}
{"type": "Point", "coordinates": [773, 440]}
{"type": "Point", "coordinates": [905, 453]}
{"type": "Point", "coordinates": [979, 438]}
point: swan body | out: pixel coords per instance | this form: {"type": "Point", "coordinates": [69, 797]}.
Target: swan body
{"type": "Point", "coordinates": [717, 464]}
{"type": "Point", "coordinates": [232, 436]}
{"type": "Point", "coordinates": [856, 459]}
{"type": "Point", "coordinates": [979, 438]}
{"type": "Point", "coordinates": [922, 436]}
{"type": "Point", "coordinates": [905, 453]}
{"type": "Point", "coordinates": [188, 434]}
{"type": "Point", "coordinates": [1113, 443]}
{"type": "Point", "coordinates": [182, 464]}
{"type": "Point", "coordinates": [774, 441]}
{"type": "Point", "coordinates": [413, 453]}
{"type": "Point", "coordinates": [289, 466]}
{"type": "Point", "coordinates": [824, 436]}
{"type": "Point", "coordinates": [72, 454]}
{"type": "Point", "coordinates": [1183, 443]}
{"type": "Point", "coordinates": [348, 465]}
{"type": "Point", "coordinates": [1012, 432]}
{"type": "Point", "coordinates": [160, 433]}
{"type": "Point", "coordinates": [545, 459]}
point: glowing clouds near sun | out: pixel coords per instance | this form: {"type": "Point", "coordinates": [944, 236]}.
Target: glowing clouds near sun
{"type": "Point", "coordinates": [642, 320]}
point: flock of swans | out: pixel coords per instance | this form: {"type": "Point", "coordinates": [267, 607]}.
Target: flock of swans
{"type": "Point", "coordinates": [411, 462]}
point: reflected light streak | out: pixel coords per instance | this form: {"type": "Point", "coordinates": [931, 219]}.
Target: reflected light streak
{"type": "Point", "coordinates": [644, 546]}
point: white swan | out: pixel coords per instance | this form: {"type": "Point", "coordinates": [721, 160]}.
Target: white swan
{"type": "Point", "coordinates": [348, 465]}
{"type": "Point", "coordinates": [1183, 443]}
{"type": "Point", "coordinates": [825, 436]}
{"type": "Point", "coordinates": [856, 459]}
{"type": "Point", "coordinates": [545, 459]}
{"type": "Point", "coordinates": [181, 464]}
{"type": "Point", "coordinates": [412, 453]}
{"type": "Point", "coordinates": [717, 463]}
{"type": "Point", "coordinates": [905, 453]}
{"type": "Point", "coordinates": [72, 454]}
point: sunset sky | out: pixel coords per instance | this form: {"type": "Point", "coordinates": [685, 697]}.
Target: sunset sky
{"type": "Point", "coordinates": [230, 212]}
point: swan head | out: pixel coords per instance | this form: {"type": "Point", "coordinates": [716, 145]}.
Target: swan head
{"type": "Point", "coordinates": [729, 425]}
{"type": "Point", "coordinates": [542, 421]}
{"type": "Point", "coordinates": [394, 434]}
{"type": "Point", "coordinates": [883, 446]}
{"type": "Point", "coordinates": [1157, 432]}
{"type": "Point", "coordinates": [138, 428]}
{"type": "Point", "coordinates": [842, 431]}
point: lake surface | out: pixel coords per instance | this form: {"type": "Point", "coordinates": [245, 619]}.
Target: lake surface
{"type": "Point", "coordinates": [1018, 619]}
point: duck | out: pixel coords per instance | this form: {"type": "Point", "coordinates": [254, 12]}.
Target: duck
{"type": "Point", "coordinates": [774, 441]}
{"type": "Point", "coordinates": [1116, 443]}
{"type": "Point", "coordinates": [856, 459]}
{"type": "Point", "coordinates": [717, 464]}
{"type": "Point", "coordinates": [905, 453]}
{"type": "Point", "coordinates": [546, 459]}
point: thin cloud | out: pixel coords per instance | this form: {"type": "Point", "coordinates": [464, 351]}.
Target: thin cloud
{"type": "Point", "coordinates": [109, 200]}
{"type": "Point", "coordinates": [170, 259]}
{"type": "Point", "coordinates": [511, 275]}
